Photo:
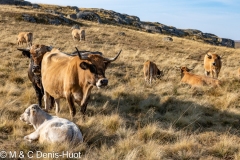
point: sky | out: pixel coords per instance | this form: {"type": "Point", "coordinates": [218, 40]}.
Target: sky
{"type": "Point", "coordinates": [219, 17]}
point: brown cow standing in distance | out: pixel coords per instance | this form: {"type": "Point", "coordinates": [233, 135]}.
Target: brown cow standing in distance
{"type": "Point", "coordinates": [197, 80]}
{"type": "Point", "coordinates": [212, 64]}
{"type": "Point", "coordinates": [73, 77]}
{"type": "Point", "coordinates": [151, 71]}
{"type": "Point", "coordinates": [25, 37]}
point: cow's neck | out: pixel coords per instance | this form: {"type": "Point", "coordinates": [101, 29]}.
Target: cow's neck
{"type": "Point", "coordinates": [41, 119]}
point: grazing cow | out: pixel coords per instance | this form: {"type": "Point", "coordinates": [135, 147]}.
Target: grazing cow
{"type": "Point", "coordinates": [78, 34]}
{"type": "Point", "coordinates": [73, 77]}
{"type": "Point", "coordinates": [50, 129]}
{"type": "Point", "coordinates": [151, 71]}
{"type": "Point", "coordinates": [197, 80]}
{"type": "Point", "coordinates": [25, 37]}
{"type": "Point", "coordinates": [212, 64]}
{"type": "Point", "coordinates": [35, 54]}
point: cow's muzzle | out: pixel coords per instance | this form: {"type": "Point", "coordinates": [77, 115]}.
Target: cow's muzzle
{"type": "Point", "coordinates": [102, 82]}
{"type": "Point", "coordinates": [36, 69]}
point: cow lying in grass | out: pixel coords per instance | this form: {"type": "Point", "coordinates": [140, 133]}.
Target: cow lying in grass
{"type": "Point", "coordinates": [197, 80]}
{"type": "Point", "coordinates": [50, 129]}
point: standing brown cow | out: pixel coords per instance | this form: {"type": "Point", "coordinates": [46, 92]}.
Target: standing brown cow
{"type": "Point", "coordinates": [151, 71]}
{"type": "Point", "coordinates": [25, 37]}
{"type": "Point", "coordinates": [212, 64]}
{"type": "Point", "coordinates": [73, 77]}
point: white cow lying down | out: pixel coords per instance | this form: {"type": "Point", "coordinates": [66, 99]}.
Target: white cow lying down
{"type": "Point", "coordinates": [49, 128]}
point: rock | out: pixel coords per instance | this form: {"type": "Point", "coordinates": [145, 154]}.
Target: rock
{"type": "Point", "coordinates": [121, 34]}
{"type": "Point", "coordinates": [28, 18]}
{"type": "Point", "coordinates": [90, 16]}
{"type": "Point", "coordinates": [73, 16]}
{"type": "Point", "coordinates": [35, 6]}
{"type": "Point", "coordinates": [167, 39]}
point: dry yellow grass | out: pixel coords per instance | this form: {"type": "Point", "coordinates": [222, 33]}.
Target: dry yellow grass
{"type": "Point", "coordinates": [129, 119]}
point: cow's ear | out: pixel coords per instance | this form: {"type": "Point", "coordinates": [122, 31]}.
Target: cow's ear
{"type": "Point", "coordinates": [26, 53]}
{"type": "Point", "coordinates": [209, 56]}
{"type": "Point", "coordinates": [84, 65]}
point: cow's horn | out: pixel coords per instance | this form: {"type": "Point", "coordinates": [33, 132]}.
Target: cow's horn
{"type": "Point", "coordinates": [20, 49]}
{"type": "Point", "coordinates": [208, 55]}
{"type": "Point", "coordinates": [80, 56]}
{"type": "Point", "coordinates": [113, 59]}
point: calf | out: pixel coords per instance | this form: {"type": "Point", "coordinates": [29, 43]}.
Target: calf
{"type": "Point", "coordinates": [196, 80]}
{"type": "Point", "coordinates": [212, 65]}
{"type": "Point", "coordinates": [151, 71]}
{"type": "Point", "coordinates": [25, 37]}
{"type": "Point", "coordinates": [50, 129]}
{"type": "Point", "coordinates": [78, 34]}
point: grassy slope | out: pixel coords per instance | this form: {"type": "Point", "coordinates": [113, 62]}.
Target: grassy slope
{"type": "Point", "coordinates": [128, 119]}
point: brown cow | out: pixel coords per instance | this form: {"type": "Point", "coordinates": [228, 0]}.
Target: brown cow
{"type": "Point", "coordinates": [73, 77]}
{"type": "Point", "coordinates": [212, 64]}
{"type": "Point", "coordinates": [25, 37]}
{"type": "Point", "coordinates": [197, 80]}
{"type": "Point", "coordinates": [151, 71]}
{"type": "Point", "coordinates": [35, 54]}
{"type": "Point", "coordinates": [78, 34]}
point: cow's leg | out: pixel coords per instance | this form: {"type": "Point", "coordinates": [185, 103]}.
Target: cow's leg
{"type": "Point", "coordinates": [84, 105]}
{"type": "Point", "coordinates": [52, 102]}
{"type": "Point", "coordinates": [47, 100]}
{"type": "Point", "coordinates": [71, 105]}
{"type": "Point", "coordinates": [207, 73]}
{"type": "Point", "coordinates": [212, 74]}
{"type": "Point", "coordinates": [57, 102]}
{"type": "Point", "coordinates": [38, 93]}
{"type": "Point", "coordinates": [84, 101]}
{"type": "Point", "coordinates": [32, 137]}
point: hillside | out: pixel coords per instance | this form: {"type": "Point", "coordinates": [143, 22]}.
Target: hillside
{"type": "Point", "coordinates": [128, 119]}
{"type": "Point", "coordinates": [114, 18]}
{"type": "Point", "coordinates": [237, 44]}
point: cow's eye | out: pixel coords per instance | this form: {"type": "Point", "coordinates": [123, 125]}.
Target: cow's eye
{"type": "Point", "coordinates": [93, 69]}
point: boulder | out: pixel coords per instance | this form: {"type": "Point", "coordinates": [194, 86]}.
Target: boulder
{"type": "Point", "coordinates": [90, 16]}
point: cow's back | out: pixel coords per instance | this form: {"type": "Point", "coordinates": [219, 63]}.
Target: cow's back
{"type": "Point", "coordinates": [192, 79]}
{"type": "Point", "coordinates": [54, 70]}
{"type": "Point", "coordinates": [207, 64]}
{"type": "Point", "coordinates": [59, 130]}
{"type": "Point", "coordinates": [146, 68]}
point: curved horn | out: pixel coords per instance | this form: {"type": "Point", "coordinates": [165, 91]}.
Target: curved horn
{"type": "Point", "coordinates": [112, 59]}
{"type": "Point", "coordinates": [80, 56]}
{"type": "Point", "coordinates": [20, 49]}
